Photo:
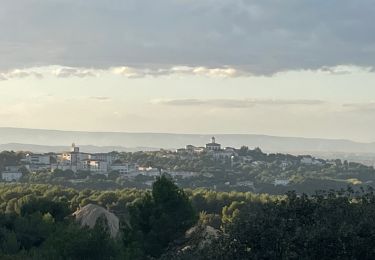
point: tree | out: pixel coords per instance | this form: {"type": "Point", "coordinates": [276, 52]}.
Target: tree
{"type": "Point", "coordinates": [243, 151]}
{"type": "Point", "coordinates": [75, 242]}
{"type": "Point", "coordinates": [10, 244]}
{"type": "Point", "coordinates": [160, 217]}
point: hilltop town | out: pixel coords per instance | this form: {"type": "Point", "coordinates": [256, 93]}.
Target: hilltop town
{"type": "Point", "coordinates": [208, 166]}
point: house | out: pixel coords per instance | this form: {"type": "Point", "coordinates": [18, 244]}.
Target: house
{"type": "Point", "coordinates": [37, 162]}
{"type": "Point", "coordinates": [106, 157]}
{"type": "Point", "coordinates": [183, 175]}
{"type": "Point", "coordinates": [280, 182]}
{"type": "Point", "coordinates": [11, 175]}
{"type": "Point", "coordinates": [223, 155]}
{"type": "Point", "coordinates": [199, 149]}
{"type": "Point", "coordinates": [37, 159]}
{"type": "Point", "coordinates": [190, 147]}
{"type": "Point", "coordinates": [148, 171]}
{"type": "Point", "coordinates": [12, 168]}
{"type": "Point", "coordinates": [94, 166]}
{"type": "Point", "coordinates": [245, 183]}
{"type": "Point", "coordinates": [123, 168]}
{"type": "Point", "coordinates": [284, 165]}
{"type": "Point", "coordinates": [193, 149]}
{"type": "Point", "coordinates": [257, 163]}
{"type": "Point", "coordinates": [307, 160]}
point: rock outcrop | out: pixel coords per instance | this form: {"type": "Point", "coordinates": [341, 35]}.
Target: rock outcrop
{"type": "Point", "coordinates": [89, 214]}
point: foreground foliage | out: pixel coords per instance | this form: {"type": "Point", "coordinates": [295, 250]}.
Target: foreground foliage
{"type": "Point", "coordinates": [36, 223]}
{"type": "Point", "coordinates": [333, 225]}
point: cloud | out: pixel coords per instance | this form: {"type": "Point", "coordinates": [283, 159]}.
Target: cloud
{"type": "Point", "coordinates": [237, 103]}
{"type": "Point", "coordinates": [224, 72]}
{"type": "Point", "coordinates": [360, 107]}
{"type": "Point", "coordinates": [125, 71]}
{"type": "Point", "coordinates": [19, 74]}
{"type": "Point", "coordinates": [66, 72]}
{"type": "Point", "coordinates": [138, 72]}
{"type": "Point", "coordinates": [257, 37]}
{"type": "Point", "coordinates": [344, 69]}
{"type": "Point", "coordinates": [100, 98]}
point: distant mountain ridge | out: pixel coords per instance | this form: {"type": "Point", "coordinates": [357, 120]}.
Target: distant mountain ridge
{"type": "Point", "coordinates": [38, 140]}
{"type": "Point", "coordinates": [60, 148]}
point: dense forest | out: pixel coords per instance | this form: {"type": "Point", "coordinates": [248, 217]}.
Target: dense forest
{"type": "Point", "coordinates": [167, 222]}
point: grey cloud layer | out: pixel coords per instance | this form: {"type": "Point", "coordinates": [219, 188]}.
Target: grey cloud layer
{"type": "Point", "coordinates": [259, 37]}
{"type": "Point", "coordinates": [237, 103]}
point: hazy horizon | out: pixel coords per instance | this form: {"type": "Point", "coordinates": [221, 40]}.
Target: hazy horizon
{"type": "Point", "coordinates": [182, 133]}
{"type": "Point", "coordinates": [38, 140]}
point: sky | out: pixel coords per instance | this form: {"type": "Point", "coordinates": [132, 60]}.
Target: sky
{"type": "Point", "coordinates": [275, 67]}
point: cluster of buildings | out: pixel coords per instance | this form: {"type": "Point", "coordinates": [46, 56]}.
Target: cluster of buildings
{"type": "Point", "coordinates": [75, 160]}
{"type": "Point", "coordinates": [213, 148]}
{"type": "Point", "coordinates": [103, 163]}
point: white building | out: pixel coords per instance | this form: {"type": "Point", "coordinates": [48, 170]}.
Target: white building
{"type": "Point", "coordinates": [38, 159]}
{"type": "Point", "coordinates": [77, 160]}
{"type": "Point", "coordinates": [94, 166]}
{"type": "Point", "coordinates": [183, 175]}
{"type": "Point", "coordinates": [199, 150]}
{"type": "Point", "coordinates": [280, 182]}
{"type": "Point", "coordinates": [257, 163]}
{"type": "Point", "coordinates": [123, 168]}
{"type": "Point", "coordinates": [222, 155]}
{"type": "Point", "coordinates": [213, 146]}
{"type": "Point", "coordinates": [190, 147]}
{"type": "Point", "coordinates": [310, 161]}
{"type": "Point", "coordinates": [11, 175]}
{"type": "Point", "coordinates": [245, 183]}
{"type": "Point", "coordinates": [12, 168]}
{"type": "Point", "coordinates": [284, 165]}
{"type": "Point", "coordinates": [106, 157]}
{"type": "Point", "coordinates": [148, 171]}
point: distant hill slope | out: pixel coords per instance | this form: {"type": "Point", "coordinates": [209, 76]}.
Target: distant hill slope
{"type": "Point", "coordinates": [60, 148]}
{"type": "Point", "coordinates": [38, 140]}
